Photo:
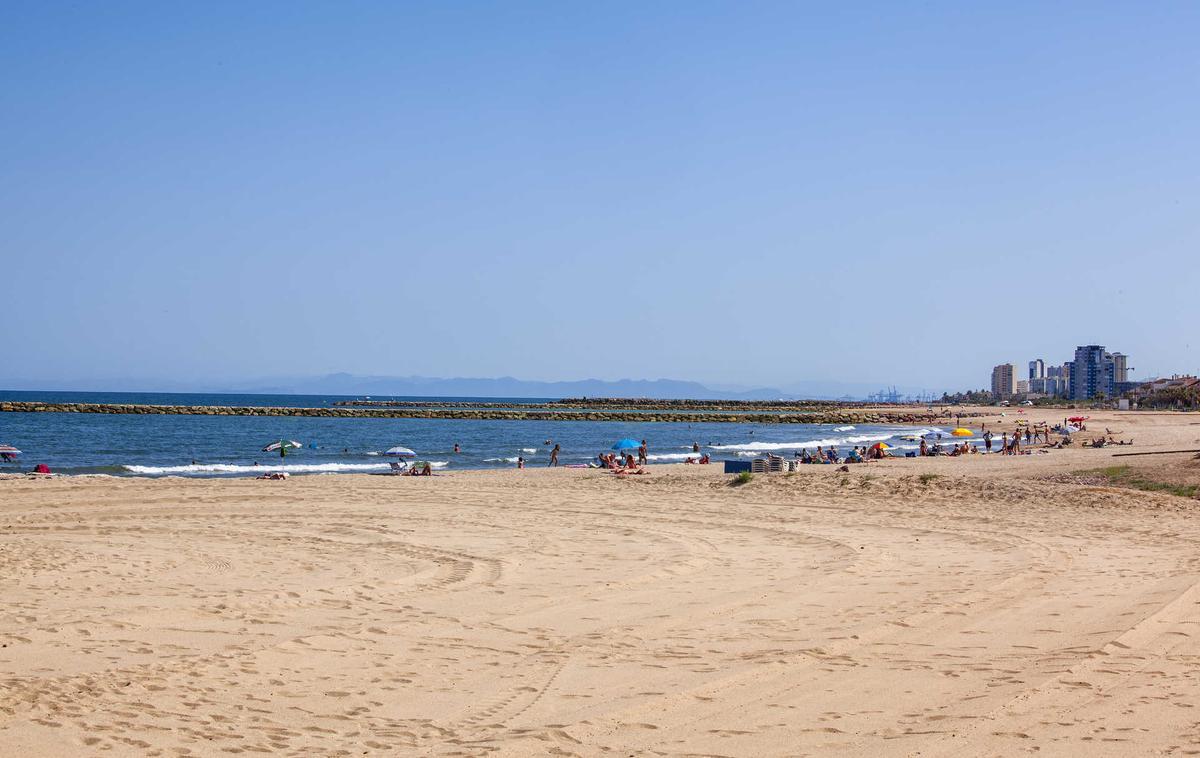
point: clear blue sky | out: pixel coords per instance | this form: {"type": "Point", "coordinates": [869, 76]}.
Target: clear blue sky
{"type": "Point", "coordinates": [748, 193]}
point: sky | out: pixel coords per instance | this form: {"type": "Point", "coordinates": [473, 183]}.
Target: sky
{"type": "Point", "coordinates": [735, 193]}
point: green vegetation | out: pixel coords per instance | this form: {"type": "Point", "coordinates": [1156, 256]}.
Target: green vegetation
{"type": "Point", "coordinates": [742, 478]}
{"type": "Point", "coordinates": [1182, 398]}
{"type": "Point", "coordinates": [1124, 476]}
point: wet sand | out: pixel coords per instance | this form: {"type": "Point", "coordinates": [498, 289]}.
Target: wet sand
{"type": "Point", "coordinates": [940, 607]}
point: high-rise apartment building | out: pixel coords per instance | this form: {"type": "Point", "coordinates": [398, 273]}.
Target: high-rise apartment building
{"type": "Point", "coordinates": [1091, 373]}
{"type": "Point", "coordinates": [1037, 369]}
{"type": "Point", "coordinates": [1003, 383]}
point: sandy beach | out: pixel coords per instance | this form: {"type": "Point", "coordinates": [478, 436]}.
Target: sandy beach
{"type": "Point", "coordinates": [984, 605]}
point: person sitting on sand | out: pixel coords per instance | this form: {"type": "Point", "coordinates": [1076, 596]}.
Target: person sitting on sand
{"type": "Point", "coordinates": [622, 472]}
{"type": "Point", "coordinates": [705, 460]}
{"type": "Point", "coordinates": [805, 457]}
{"type": "Point", "coordinates": [854, 457]}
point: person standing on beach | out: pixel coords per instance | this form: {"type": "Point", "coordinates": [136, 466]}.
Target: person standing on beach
{"type": "Point", "coordinates": [987, 440]}
{"type": "Point", "coordinates": [520, 462]}
{"type": "Point", "coordinates": [1004, 444]}
{"type": "Point", "coordinates": [553, 456]}
{"type": "Point", "coordinates": [642, 453]}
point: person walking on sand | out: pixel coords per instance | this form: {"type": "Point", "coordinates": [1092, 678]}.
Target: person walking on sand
{"type": "Point", "coordinates": [642, 453]}
{"type": "Point", "coordinates": [553, 456]}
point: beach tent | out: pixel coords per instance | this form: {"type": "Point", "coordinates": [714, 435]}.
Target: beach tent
{"type": "Point", "coordinates": [626, 444]}
{"type": "Point", "coordinates": [963, 432]}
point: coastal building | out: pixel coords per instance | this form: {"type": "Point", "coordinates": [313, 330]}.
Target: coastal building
{"type": "Point", "coordinates": [1054, 385]}
{"type": "Point", "coordinates": [1120, 368]}
{"type": "Point", "coordinates": [1092, 373]}
{"type": "Point", "coordinates": [1064, 387]}
{"type": "Point", "coordinates": [1022, 387]}
{"type": "Point", "coordinates": [1037, 369]}
{"type": "Point", "coordinates": [1003, 381]}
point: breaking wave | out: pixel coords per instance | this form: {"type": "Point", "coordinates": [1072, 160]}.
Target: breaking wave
{"type": "Point", "coordinates": [200, 469]}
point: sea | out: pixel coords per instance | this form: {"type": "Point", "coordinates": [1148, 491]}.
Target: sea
{"type": "Point", "coordinates": [231, 446]}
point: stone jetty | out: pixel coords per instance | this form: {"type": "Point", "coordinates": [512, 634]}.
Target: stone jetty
{"type": "Point", "coordinates": [833, 415]}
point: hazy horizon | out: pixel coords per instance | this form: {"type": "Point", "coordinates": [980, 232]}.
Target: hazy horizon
{"type": "Point", "coordinates": [747, 194]}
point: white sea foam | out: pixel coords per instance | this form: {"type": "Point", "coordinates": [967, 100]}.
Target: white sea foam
{"type": "Point", "coordinates": [529, 450]}
{"type": "Point", "coordinates": [672, 456]}
{"type": "Point", "coordinates": [501, 460]}
{"type": "Point", "coordinates": [291, 468]}
{"type": "Point", "coordinates": [844, 429]}
{"type": "Point", "coordinates": [758, 447]}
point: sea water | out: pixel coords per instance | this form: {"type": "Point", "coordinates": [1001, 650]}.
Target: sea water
{"type": "Point", "coordinates": [154, 445]}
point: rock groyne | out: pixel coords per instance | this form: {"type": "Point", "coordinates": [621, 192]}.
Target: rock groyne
{"type": "Point", "coordinates": [829, 416]}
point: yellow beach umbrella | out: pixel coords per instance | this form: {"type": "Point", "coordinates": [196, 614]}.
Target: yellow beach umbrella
{"type": "Point", "coordinates": [963, 432]}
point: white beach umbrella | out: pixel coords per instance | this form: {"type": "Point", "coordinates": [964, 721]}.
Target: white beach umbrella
{"type": "Point", "coordinates": [400, 452]}
{"type": "Point", "coordinates": [281, 444]}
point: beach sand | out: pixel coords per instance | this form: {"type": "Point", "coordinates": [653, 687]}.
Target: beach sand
{"type": "Point", "coordinates": [986, 605]}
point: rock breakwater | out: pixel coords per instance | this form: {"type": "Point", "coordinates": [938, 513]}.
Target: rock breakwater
{"type": "Point", "coordinates": [826, 416]}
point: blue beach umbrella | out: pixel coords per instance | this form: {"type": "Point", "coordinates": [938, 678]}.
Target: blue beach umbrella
{"type": "Point", "coordinates": [627, 444]}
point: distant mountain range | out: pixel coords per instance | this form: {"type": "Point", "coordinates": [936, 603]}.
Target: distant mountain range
{"type": "Point", "coordinates": [505, 386]}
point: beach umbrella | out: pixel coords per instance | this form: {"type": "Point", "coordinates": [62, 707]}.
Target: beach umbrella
{"type": "Point", "coordinates": [963, 432]}
{"type": "Point", "coordinates": [626, 444]}
{"type": "Point", "coordinates": [400, 452]}
{"type": "Point", "coordinates": [9, 450]}
{"type": "Point", "coordinates": [280, 445]}
{"type": "Point", "coordinates": [1079, 418]}
{"type": "Point", "coordinates": [881, 446]}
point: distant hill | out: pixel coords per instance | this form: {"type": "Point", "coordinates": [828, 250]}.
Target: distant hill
{"type": "Point", "coordinates": [505, 386]}
{"type": "Point", "coordinates": [426, 386]}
